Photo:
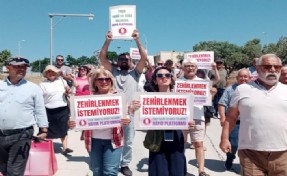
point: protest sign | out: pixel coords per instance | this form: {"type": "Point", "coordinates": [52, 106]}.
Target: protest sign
{"type": "Point", "coordinates": [204, 58]}
{"type": "Point", "coordinates": [199, 88]}
{"type": "Point", "coordinates": [135, 53]}
{"type": "Point", "coordinates": [123, 21]}
{"type": "Point", "coordinates": [98, 111]}
{"type": "Point", "coordinates": [162, 111]}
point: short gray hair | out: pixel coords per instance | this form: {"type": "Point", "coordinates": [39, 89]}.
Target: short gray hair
{"type": "Point", "coordinates": [189, 60]}
{"type": "Point", "coordinates": [259, 61]}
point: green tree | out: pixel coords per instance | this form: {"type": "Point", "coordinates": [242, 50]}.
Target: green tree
{"type": "Point", "coordinates": [112, 56]}
{"type": "Point", "coordinates": [39, 65]}
{"type": "Point", "coordinates": [252, 49]}
{"type": "Point", "coordinates": [71, 60]}
{"type": "Point", "coordinates": [282, 49]}
{"type": "Point", "coordinates": [4, 55]}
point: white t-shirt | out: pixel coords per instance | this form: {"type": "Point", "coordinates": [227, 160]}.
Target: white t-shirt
{"type": "Point", "coordinates": [53, 93]}
{"type": "Point", "coordinates": [141, 83]}
{"type": "Point", "coordinates": [198, 111]}
{"type": "Point", "coordinates": [105, 133]}
{"type": "Point", "coordinates": [263, 116]}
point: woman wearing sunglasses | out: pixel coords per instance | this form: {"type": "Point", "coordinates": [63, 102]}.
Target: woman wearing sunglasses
{"type": "Point", "coordinates": [104, 145]}
{"type": "Point", "coordinates": [170, 159]}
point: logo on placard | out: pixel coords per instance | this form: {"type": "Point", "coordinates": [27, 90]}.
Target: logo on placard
{"type": "Point", "coordinates": [122, 31]}
{"type": "Point", "coordinates": [82, 123]}
{"type": "Point", "coordinates": [146, 121]}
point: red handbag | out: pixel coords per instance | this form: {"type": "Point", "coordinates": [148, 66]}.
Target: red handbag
{"type": "Point", "coordinates": [42, 160]}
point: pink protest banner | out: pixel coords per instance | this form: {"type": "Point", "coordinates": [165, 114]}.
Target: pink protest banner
{"type": "Point", "coordinates": [122, 21]}
{"type": "Point", "coordinates": [199, 88]}
{"type": "Point", "coordinates": [98, 111]}
{"type": "Point", "coordinates": [204, 58]}
{"type": "Point", "coordinates": [163, 111]}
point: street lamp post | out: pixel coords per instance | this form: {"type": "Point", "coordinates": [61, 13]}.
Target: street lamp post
{"type": "Point", "coordinates": [51, 15]}
{"type": "Point", "coordinates": [19, 46]}
{"type": "Point", "coordinates": [145, 42]}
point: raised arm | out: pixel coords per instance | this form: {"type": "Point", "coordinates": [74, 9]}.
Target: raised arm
{"type": "Point", "coordinates": [216, 74]}
{"type": "Point", "coordinates": [104, 52]}
{"type": "Point", "coordinates": [141, 64]}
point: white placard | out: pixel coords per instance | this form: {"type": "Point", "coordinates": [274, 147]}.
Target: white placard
{"type": "Point", "coordinates": [98, 111]}
{"type": "Point", "coordinates": [123, 21]}
{"type": "Point", "coordinates": [135, 53]}
{"type": "Point", "coordinates": [199, 88]}
{"type": "Point", "coordinates": [162, 111]}
{"type": "Point", "coordinates": [204, 58]}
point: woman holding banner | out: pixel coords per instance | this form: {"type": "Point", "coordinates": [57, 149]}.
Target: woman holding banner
{"type": "Point", "coordinates": [169, 159]}
{"type": "Point", "coordinates": [104, 145]}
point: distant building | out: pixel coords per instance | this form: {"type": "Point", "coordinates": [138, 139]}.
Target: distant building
{"type": "Point", "coordinates": [165, 55]}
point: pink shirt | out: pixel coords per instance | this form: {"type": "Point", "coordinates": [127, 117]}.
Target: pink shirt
{"type": "Point", "coordinates": [83, 86]}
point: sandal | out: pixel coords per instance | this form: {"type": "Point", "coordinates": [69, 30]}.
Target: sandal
{"type": "Point", "coordinates": [203, 174]}
{"type": "Point", "coordinates": [68, 150]}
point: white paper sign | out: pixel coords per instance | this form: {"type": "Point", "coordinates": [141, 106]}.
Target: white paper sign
{"type": "Point", "coordinates": [160, 111]}
{"type": "Point", "coordinates": [135, 53]}
{"type": "Point", "coordinates": [123, 21]}
{"type": "Point", "coordinates": [98, 111]}
{"type": "Point", "coordinates": [199, 88]}
{"type": "Point", "coordinates": [204, 58]}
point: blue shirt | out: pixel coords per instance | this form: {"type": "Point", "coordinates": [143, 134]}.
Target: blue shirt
{"type": "Point", "coordinates": [226, 96]}
{"type": "Point", "coordinates": [21, 105]}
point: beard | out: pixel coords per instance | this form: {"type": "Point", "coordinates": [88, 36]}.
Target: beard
{"type": "Point", "coordinates": [269, 78]}
{"type": "Point", "coordinates": [124, 66]}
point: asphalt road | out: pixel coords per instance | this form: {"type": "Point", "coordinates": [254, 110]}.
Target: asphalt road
{"type": "Point", "coordinates": [77, 163]}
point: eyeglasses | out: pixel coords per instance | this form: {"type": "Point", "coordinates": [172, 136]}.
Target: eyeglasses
{"type": "Point", "coordinates": [268, 67]}
{"type": "Point", "coordinates": [166, 75]}
{"type": "Point", "coordinates": [60, 59]}
{"type": "Point", "coordinates": [159, 63]}
{"type": "Point", "coordinates": [81, 69]}
{"type": "Point", "coordinates": [101, 80]}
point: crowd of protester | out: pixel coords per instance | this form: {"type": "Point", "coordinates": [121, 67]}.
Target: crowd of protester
{"type": "Point", "coordinates": [259, 135]}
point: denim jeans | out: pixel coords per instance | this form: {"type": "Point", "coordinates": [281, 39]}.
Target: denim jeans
{"type": "Point", "coordinates": [233, 138]}
{"type": "Point", "coordinates": [129, 133]}
{"type": "Point", "coordinates": [104, 160]}
{"type": "Point", "coordinates": [14, 152]}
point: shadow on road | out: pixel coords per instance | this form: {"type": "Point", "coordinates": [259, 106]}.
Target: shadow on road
{"type": "Point", "coordinates": [216, 165]}
{"type": "Point", "coordinates": [78, 159]}
{"type": "Point", "coordinates": [141, 164]}
{"type": "Point", "coordinates": [57, 147]}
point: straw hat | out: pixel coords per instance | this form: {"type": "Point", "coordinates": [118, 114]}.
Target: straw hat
{"type": "Point", "coordinates": [52, 68]}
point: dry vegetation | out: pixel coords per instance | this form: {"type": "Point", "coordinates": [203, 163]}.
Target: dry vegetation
{"type": "Point", "coordinates": [34, 79]}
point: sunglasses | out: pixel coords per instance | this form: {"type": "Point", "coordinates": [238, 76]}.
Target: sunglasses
{"type": "Point", "coordinates": [101, 80]}
{"type": "Point", "coordinates": [60, 59]}
{"type": "Point", "coordinates": [268, 67]}
{"type": "Point", "coordinates": [166, 75]}
{"type": "Point", "coordinates": [159, 63]}
{"type": "Point", "coordinates": [19, 59]}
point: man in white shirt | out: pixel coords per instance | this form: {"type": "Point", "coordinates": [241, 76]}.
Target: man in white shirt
{"type": "Point", "coordinates": [196, 134]}
{"type": "Point", "coordinates": [262, 105]}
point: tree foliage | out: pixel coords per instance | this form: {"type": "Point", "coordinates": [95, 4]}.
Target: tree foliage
{"type": "Point", "coordinates": [4, 55]}
{"type": "Point", "coordinates": [235, 56]}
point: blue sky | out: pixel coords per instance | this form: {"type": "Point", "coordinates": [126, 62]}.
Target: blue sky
{"type": "Point", "coordinates": [165, 25]}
